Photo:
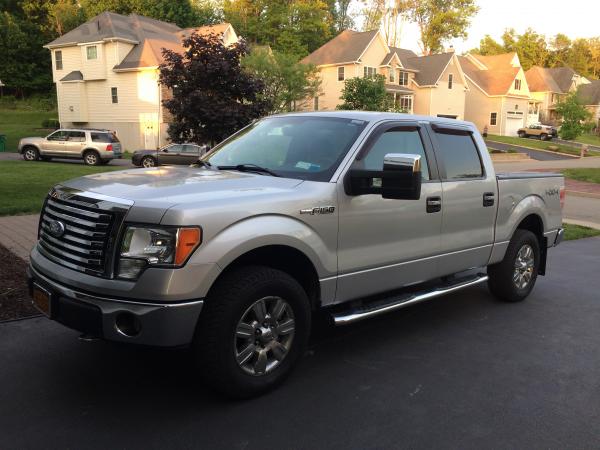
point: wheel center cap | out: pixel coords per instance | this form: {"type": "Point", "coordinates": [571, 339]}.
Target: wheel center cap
{"type": "Point", "coordinates": [265, 334]}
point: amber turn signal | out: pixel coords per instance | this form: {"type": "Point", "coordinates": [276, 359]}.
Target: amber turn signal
{"type": "Point", "coordinates": [187, 241]}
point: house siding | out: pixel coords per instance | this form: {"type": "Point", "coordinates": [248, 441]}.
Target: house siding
{"type": "Point", "coordinates": [446, 101]}
{"type": "Point", "coordinates": [478, 108]}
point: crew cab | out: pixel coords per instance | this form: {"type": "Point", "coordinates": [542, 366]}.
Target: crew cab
{"type": "Point", "coordinates": [353, 213]}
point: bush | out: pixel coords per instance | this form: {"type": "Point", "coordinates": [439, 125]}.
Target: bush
{"type": "Point", "coordinates": [50, 123]}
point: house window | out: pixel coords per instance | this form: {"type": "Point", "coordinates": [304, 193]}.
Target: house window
{"type": "Point", "coordinates": [92, 52]}
{"type": "Point", "coordinates": [58, 59]}
{"type": "Point", "coordinates": [450, 80]}
{"type": "Point", "coordinates": [406, 103]}
{"type": "Point", "coordinates": [517, 85]}
{"type": "Point", "coordinates": [403, 78]}
{"type": "Point", "coordinates": [341, 73]}
{"type": "Point", "coordinates": [493, 118]}
{"type": "Point", "coordinates": [392, 76]}
{"type": "Point", "coordinates": [114, 95]}
{"type": "Point", "coordinates": [316, 104]}
{"type": "Point", "coordinates": [369, 72]}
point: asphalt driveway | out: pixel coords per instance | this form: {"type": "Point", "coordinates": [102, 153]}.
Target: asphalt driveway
{"type": "Point", "coordinates": [462, 371]}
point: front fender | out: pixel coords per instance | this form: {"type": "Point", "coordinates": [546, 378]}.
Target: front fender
{"type": "Point", "coordinates": [260, 231]}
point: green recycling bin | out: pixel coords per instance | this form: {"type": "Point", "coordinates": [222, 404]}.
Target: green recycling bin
{"type": "Point", "coordinates": [2, 142]}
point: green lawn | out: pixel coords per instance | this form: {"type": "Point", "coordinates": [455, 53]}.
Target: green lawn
{"type": "Point", "coordinates": [589, 175]}
{"type": "Point", "coordinates": [20, 123]}
{"type": "Point", "coordinates": [591, 139]}
{"type": "Point", "coordinates": [573, 232]}
{"type": "Point", "coordinates": [23, 185]}
{"type": "Point", "coordinates": [536, 143]}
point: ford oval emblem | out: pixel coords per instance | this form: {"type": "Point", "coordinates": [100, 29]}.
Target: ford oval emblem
{"type": "Point", "coordinates": [56, 228]}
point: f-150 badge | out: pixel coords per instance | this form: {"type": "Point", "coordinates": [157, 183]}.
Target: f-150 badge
{"type": "Point", "coordinates": [551, 192]}
{"type": "Point", "coordinates": [318, 210]}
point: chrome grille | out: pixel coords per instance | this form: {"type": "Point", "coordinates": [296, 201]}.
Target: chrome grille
{"type": "Point", "coordinates": [85, 241]}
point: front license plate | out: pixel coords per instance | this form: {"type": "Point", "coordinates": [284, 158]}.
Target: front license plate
{"type": "Point", "coordinates": [41, 299]}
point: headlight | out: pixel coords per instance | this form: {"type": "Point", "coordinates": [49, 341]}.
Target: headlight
{"type": "Point", "coordinates": [143, 246]}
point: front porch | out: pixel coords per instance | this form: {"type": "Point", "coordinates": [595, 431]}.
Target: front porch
{"type": "Point", "coordinates": [401, 98]}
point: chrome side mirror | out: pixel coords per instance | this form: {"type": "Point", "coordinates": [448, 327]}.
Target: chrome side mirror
{"type": "Point", "coordinates": [401, 176]}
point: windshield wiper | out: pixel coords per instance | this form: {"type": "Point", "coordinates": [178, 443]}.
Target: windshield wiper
{"type": "Point", "coordinates": [204, 164]}
{"type": "Point", "coordinates": [249, 168]}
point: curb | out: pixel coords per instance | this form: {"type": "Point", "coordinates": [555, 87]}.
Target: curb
{"type": "Point", "coordinates": [582, 194]}
{"type": "Point", "coordinates": [583, 223]}
{"type": "Point", "coordinates": [541, 150]}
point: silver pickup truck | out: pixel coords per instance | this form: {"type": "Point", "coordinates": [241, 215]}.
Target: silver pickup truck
{"type": "Point", "coordinates": [353, 213]}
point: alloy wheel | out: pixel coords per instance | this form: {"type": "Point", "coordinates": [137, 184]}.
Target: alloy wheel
{"type": "Point", "coordinates": [264, 335]}
{"type": "Point", "coordinates": [524, 266]}
{"type": "Point", "coordinates": [148, 162]}
{"type": "Point", "coordinates": [30, 154]}
{"type": "Point", "coordinates": [91, 159]}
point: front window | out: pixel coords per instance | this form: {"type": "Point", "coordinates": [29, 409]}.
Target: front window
{"type": "Point", "coordinates": [114, 93]}
{"type": "Point", "coordinates": [92, 52]}
{"type": "Point", "coordinates": [392, 77]}
{"type": "Point", "coordinates": [301, 147]}
{"type": "Point", "coordinates": [406, 103]}
{"type": "Point", "coordinates": [58, 59]}
{"type": "Point", "coordinates": [493, 118]}
{"type": "Point", "coordinates": [403, 78]}
{"type": "Point", "coordinates": [369, 72]}
{"type": "Point", "coordinates": [450, 80]}
{"type": "Point", "coordinates": [517, 85]}
{"type": "Point", "coordinates": [341, 73]}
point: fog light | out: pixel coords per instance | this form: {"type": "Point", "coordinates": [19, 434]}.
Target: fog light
{"type": "Point", "coordinates": [127, 324]}
{"type": "Point", "coordinates": [130, 268]}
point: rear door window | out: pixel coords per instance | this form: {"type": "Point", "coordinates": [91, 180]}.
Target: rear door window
{"type": "Point", "coordinates": [458, 155]}
{"type": "Point", "coordinates": [76, 136]}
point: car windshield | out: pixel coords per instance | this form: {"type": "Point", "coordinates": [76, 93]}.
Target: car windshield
{"type": "Point", "coordinates": [303, 147]}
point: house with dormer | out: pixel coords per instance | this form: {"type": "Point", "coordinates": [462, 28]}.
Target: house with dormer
{"type": "Point", "coordinates": [106, 75]}
{"type": "Point", "coordinates": [431, 85]}
{"type": "Point", "coordinates": [498, 97]}
{"type": "Point", "coordinates": [549, 86]}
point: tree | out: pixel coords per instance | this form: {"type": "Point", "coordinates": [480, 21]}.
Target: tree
{"type": "Point", "coordinates": [366, 94]}
{"type": "Point", "coordinates": [531, 48]}
{"type": "Point", "coordinates": [213, 96]}
{"type": "Point", "coordinates": [290, 26]}
{"type": "Point", "coordinates": [286, 80]}
{"type": "Point", "coordinates": [489, 46]}
{"type": "Point", "coordinates": [440, 20]}
{"type": "Point", "coordinates": [65, 15]}
{"type": "Point", "coordinates": [184, 13]}
{"type": "Point", "coordinates": [574, 115]}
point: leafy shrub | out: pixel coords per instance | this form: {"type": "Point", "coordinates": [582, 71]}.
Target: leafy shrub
{"type": "Point", "coordinates": [50, 123]}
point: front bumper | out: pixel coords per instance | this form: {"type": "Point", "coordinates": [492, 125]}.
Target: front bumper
{"type": "Point", "coordinates": [156, 323]}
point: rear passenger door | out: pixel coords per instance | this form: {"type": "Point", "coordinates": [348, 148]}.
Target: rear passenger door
{"type": "Point", "coordinates": [469, 199]}
{"type": "Point", "coordinates": [75, 143]}
{"type": "Point", "coordinates": [189, 154]}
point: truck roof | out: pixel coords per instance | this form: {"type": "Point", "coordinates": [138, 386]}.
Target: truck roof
{"type": "Point", "coordinates": [376, 116]}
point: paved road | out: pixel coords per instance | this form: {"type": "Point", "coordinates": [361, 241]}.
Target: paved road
{"type": "Point", "coordinates": [537, 155]}
{"type": "Point", "coordinates": [461, 371]}
{"type": "Point", "coordinates": [583, 209]}
{"type": "Point", "coordinates": [11, 156]}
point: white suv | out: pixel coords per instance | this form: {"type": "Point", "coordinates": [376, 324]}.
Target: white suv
{"type": "Point", "coordinates": [94, 146]}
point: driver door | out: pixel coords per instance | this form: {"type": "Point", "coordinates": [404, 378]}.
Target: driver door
{"type": "Point", "coordinates": [385, 244]}
{"type": "Point", "coordinates": [56, 142]}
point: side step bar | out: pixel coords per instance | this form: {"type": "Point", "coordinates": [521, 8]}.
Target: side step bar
{"type": "Point", "coordinates": [392, 304]}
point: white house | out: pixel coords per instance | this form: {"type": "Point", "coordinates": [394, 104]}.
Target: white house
{"type": "Point", "coordinates": [106, 75]}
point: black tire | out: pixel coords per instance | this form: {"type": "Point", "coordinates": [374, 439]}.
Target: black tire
{"type": "Point", "coordinates": [216, 341]}
{"type": "Point", "coordinates": [543, 137]}
{"type": "Point", "coordinates": [31, 154]}
{"type": "Point", "coordinates": [148, 161]}
{"type": "Point", "coordinates": [522, 134]}
{"type": "Point", "coordinates": [501, 276]}
{"type": "Point", "coordinates": [91, 158]}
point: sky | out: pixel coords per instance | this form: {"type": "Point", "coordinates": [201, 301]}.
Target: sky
{"type": "Point", "coordinates": [575, 18]}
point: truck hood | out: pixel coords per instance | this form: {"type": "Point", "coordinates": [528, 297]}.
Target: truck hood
{"type": "Point", "coordinates": [167, 186]}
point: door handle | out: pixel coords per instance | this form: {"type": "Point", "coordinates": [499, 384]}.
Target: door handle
{"type": "Point", "coordinates": [434, 204]}
{"type": "Point", "coordinates": [488, 199]}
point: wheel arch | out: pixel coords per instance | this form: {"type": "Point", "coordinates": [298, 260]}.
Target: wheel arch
{"type": "Point", "coordinates": [534, 223]}
{"type": "Point", "coordinates": [285, 258]}
{"type": "Point", "coordinates": [26, 146]}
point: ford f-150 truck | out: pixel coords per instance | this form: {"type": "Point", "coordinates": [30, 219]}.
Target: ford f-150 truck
{"type": "Point", "coordinates": [353, 213]}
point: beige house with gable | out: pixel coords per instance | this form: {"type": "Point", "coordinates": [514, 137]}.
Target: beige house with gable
{"type": "Point", "coordinates": [498, 97]}
{"type": "Point", "coordinates": [429, 85]}
{"type": "Point", "coordinates": [106, 75]}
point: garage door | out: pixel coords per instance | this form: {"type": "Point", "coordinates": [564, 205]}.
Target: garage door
{"type": "Point", "coordinates": [512, 125]}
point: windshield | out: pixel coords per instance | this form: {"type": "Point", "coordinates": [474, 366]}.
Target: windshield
{"type": "Point", "coordinates": [303, 147]}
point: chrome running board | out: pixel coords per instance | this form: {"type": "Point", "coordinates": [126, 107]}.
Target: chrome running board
{"type": "Point", "coordinates": [367, 311]}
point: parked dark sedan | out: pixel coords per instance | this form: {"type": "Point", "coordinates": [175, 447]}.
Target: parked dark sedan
{"type": "Point", "coordinates": [169, 154]}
